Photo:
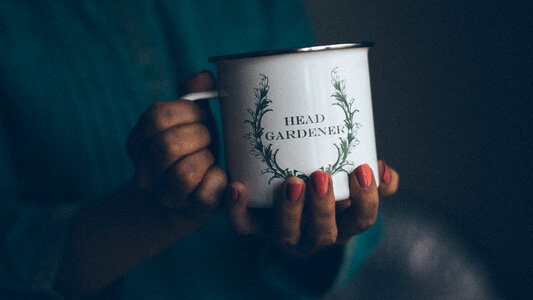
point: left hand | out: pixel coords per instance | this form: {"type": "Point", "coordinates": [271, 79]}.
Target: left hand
{"type": "Point", "coordinates": [307, 218]}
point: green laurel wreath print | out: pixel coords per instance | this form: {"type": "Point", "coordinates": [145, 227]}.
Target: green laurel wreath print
{"type": "Point", "coordinates": [269, 156]}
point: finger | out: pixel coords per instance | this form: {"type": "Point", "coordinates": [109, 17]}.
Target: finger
{"type": "Point", "coordinates": [289, 216]}
{"type": "Point", "coordinates": [364, 202]}
{"type": "Point", "coordinates": [159, 117]}
{"type": "Point", "coordinates": [175, 143]}
{"type": "Point", "coordinates": [162, 115]}
{"type": "Point", "coordinates": [237, 211]}
{"type": "Point", "coordinates": [210, 191]}
{"type": "Point", "coordinates": [185, 175]}
{"type": "Point", "coordinates": [320, 209]}
{"type": "Point", "coordinates": [204, 202]}
{"type": "Point", "coordinates": [197, 82]}
{"type": "Point", "coordinates": [388, 180]}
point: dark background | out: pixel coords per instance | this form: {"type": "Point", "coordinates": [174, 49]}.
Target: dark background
{"type": "Point", "coordinates": [451, 86]}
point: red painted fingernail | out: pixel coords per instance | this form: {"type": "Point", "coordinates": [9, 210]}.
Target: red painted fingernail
{"type": "Point", "coordinates": [319, 180]}
{"type": "Point", "coordinates": [386, 174]}
{"type": "Point", "coordinates": [234, 193]}
{"type": "Point", "coordinates": [364, 175]}
{"type": "Point", "coordinates": [294, 189]}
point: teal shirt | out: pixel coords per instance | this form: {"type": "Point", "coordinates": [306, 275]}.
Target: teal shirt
{"type": "Point", "coordinates": [75, 77]}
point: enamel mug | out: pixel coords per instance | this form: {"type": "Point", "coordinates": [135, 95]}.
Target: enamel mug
{"type": "Point", "coordinates": [291, 112]}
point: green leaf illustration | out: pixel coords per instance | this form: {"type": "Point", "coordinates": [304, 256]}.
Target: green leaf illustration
{"type": "Point", "coordinates": [269, 156]}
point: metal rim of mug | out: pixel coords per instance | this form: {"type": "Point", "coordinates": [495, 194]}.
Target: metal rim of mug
{"type": "Point", "coordinates": [290, 50]}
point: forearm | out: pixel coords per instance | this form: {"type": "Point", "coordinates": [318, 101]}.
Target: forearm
{"type": "Point", "coordinates": [112, 236]}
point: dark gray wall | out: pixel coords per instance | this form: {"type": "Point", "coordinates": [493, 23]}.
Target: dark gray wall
{"type": "Point", "coordinates": [451, 86]}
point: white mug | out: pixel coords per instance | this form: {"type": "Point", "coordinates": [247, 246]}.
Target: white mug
{"type": "Point", "coordinates": [291, 112]}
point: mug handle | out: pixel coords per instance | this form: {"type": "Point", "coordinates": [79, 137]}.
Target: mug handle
{"type": "Point", "coordinates": [200, 95]}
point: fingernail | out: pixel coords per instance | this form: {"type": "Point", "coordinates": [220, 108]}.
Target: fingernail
{"type": "Point", "coordinates": [294, 189]}
{"type": "Point", "coordinates": [234, 193]}
{"type": "Point", "coordinates": [386, 174]}
{"type": "Point", "coordinates": [364, 175]}
{"type": "Point", "coordinates": [319, 180]}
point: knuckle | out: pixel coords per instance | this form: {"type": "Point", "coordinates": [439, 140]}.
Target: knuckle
{"type": "Point", "coordinates": [290, 218]}
{"type": "Point", "coordinates": [328, 238]}
{"type": "Point", "coordinates": [367, 202]}
{"type": "Point", "coordinates": [182, 170]}
{"type": "Point", "coordinates": [211, 189]}
{"type": "Point", "coordinates": [200, 130]}
{"type": "Point", "coordinates": [191, 169]}
{"type": "Point", "coordinates": [186, 138]}
{"type": "Point", "coordinates": [186, 175]}
{"type": "Point", "coordinates": [169, 140]}
{"type": "Point", "coordinates": [372, 204]}
{"type": "Point", "coordinates": [219, 177]}
{"type": "Point", "coordinates": [325, 214]}
{"type": "Point", "coordinates": [163, 114]}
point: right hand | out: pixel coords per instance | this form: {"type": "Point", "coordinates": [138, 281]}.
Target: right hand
{"type": "Point", "coordinates": [306, 218]}
{"type": "Point", "coordinates": [169, 147]}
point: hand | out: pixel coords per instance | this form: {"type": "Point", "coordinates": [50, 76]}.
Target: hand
{"type": "Point", "coordinates": [307, 218]}
{"type": "Point", "coordinates": [169, 147]}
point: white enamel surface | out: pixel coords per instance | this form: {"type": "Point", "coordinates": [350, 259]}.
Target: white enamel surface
{"type": "Point", "coordinates": [300, 85]}
{"type": "Point", "coordinates": [201, 95]}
